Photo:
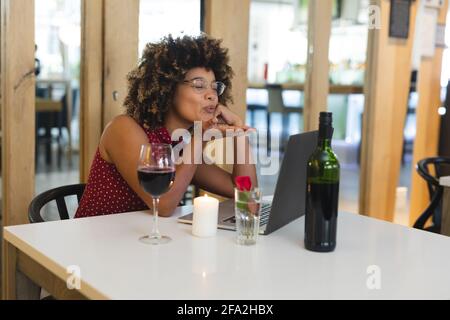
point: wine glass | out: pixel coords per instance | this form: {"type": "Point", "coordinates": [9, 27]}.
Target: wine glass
{"type": "Point", "coordinates": [156, 173]}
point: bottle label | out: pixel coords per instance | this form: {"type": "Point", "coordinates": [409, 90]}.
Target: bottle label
{"type": "Point", "coordinates": [321, 216]}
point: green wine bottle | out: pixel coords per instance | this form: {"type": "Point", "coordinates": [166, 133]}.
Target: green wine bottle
{"type": "Point", "coordinates": [322, 191]}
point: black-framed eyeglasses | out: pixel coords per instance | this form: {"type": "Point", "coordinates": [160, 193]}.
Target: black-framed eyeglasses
{"type": "Point", "coordinates": [201, 85]}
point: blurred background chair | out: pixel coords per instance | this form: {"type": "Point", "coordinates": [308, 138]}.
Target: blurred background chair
{"type": "Point", "coordinates": [431, 169]}
{"type": "Point", "coordinates": [58, 195]}
{"type": "Point", "coordinates": [256, 102]}
{"type": "Point", "coordinates": [276, 105]}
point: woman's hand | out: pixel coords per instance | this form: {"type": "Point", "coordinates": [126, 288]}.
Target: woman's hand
{"type": "Point", "coordinates": [223, 115]}
{"type": "Point", "coordinates": [224, 119]}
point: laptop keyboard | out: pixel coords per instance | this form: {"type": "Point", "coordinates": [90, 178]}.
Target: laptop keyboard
{"type": "Point", "coordinates": [264, 216]}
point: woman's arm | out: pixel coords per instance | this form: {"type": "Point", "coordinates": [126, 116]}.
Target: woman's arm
{"type": "Point", "coordinates": [213, 179]}
{"type": "Point", "coordinates": [216, 180]}
{"type": "Point", "coordinates": [121, 143]}
{"type": "Point", "coordinates": [243, 159]}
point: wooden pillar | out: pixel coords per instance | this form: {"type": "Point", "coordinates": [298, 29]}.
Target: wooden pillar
{"type": "Point", "coordinates": [110, 32]}
{"type": "Point", "coordinates": [91, 82]}
{"type": "Point", "coordinates": [9, 271]}
{"type": "Point", "coordinates": [317, 83]}
{"type": "Point", "coordinates": [427, 122]}
{"type": "Point", "coordinates": [18, 109]}
{"type": "Point", "coordinates": [386, 88]}
{"type": "Point", "coordinates": [229, 20]}
{"type": "Point", "coordinates": [121, 53]}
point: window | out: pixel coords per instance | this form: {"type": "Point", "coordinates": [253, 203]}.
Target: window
{"type": "Point", "coordinates": [159, 18]}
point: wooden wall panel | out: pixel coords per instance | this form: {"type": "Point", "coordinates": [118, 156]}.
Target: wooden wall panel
{"type": "Point", "coordinates": [317, 73]}
{"type": "Point", "coordinates": [17, 117]}
{"type": "Point", "coordinates": [110, 34]}
{"type": "Point", "coordinates": [121, 52]}
{"type": "Point", "coordinates": [18, 109]}
{"type": "Point", "coordinates": [386, 89]}
{"type": "Point", "coordinates": [229, 20]}
{"type": "Point", "coordinates": [91, 82]}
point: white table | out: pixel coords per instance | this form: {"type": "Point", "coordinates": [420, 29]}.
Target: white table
{"type": "Point", "coordinates": [114, 265]}
{"type": "Point", "coordinates": [445, 229]}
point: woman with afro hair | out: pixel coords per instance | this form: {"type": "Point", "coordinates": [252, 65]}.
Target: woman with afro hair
{"type": "Point", "coordinates": [178, 81]}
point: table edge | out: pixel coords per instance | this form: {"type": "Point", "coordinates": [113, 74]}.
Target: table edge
{"type": "Point", "coordinates": [86, 289]}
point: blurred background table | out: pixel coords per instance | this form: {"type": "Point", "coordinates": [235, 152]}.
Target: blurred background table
{"type": "Point", "coordinates": [52, 111]}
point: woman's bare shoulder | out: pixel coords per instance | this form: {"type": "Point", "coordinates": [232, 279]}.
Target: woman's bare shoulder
{"type": "Point", "coordinates": [121, 122]}
{"type": "Point", "coordinates": [121, 125]}
{"type": "Point", "coordinates": [120, 130]}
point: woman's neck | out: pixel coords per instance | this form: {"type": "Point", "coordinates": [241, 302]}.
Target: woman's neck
{"type": "Point", "coordinates": [174, 121]}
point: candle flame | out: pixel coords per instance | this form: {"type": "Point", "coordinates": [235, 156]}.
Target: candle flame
{"type": "Point", "coordinates": [206, 196]}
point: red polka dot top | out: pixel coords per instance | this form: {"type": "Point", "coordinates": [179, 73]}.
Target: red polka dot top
{"type": "Point", "coordinates": [107, 192]}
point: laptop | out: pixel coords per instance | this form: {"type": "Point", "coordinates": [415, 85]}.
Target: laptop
{"type": "Point", "coordinates": [288, 202]}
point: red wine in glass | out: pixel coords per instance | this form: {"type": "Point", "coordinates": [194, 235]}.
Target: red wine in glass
{"type": "Point", "coordinates": [156, 181]}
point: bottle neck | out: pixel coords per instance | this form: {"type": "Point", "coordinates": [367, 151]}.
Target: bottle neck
{"type": "Point", "coordinates": [324, 143]}
{"type": "Point", "coordinates": [325, 136]}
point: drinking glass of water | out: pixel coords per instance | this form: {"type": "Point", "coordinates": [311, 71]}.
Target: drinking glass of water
{"type": "Point", "coordinates": [247, 208]}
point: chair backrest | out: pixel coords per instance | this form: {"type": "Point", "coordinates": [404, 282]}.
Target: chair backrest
{"type": "Point", "coordinates": [275, 97]}
{"type": "Point", "coordinates": [423, 169]}
{"type": "Point", "coordinates": [435, 190]}
{"type": "Point", "coordinates": [58, 195]}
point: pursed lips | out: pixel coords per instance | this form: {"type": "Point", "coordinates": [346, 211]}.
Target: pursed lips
{"type": "Point", "coordinates": [209, 109]}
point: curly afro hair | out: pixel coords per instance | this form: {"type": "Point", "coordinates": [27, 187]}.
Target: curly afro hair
{"type": "Point", "coordinates": [163, 66]}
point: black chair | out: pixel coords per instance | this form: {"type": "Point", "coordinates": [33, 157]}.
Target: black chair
{"type": "Point", "coordinates": [435, 190]}
{"type": "Point", "coordinates": [58, 195]}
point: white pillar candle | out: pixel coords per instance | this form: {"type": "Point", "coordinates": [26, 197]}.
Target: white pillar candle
{"type": "Point", "coordinates": [206, 212]}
